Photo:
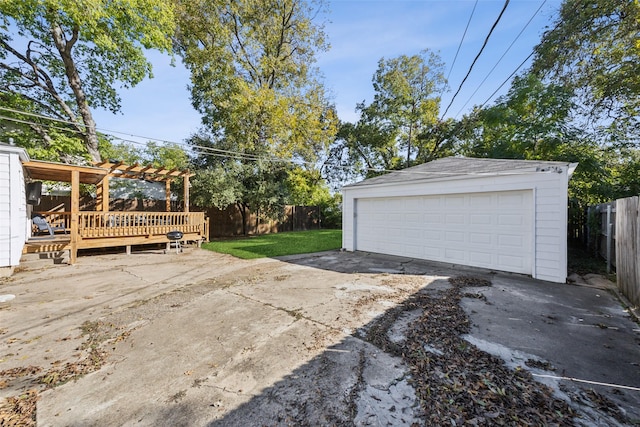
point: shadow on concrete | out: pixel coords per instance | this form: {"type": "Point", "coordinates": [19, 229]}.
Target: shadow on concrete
{"type": "Point", "coordinates": [573, 331]}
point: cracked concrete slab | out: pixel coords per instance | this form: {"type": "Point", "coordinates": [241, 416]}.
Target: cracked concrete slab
{"type": "Point", "coordinates": [206, 339]}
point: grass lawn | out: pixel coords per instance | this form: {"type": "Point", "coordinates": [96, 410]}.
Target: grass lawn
{"type": "Point", "coordinates": [279, 244]}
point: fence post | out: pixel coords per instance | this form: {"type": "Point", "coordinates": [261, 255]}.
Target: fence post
{"type": "Point", "coordinates": [609, 238]}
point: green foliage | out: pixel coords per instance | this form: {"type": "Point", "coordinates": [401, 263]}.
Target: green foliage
{"type": "Point", "coordinates": [407, 100]}
{"type": "Point", "coordinates": [399, 127]}
{"type": "Point", "coordinates": [594, 50]}
{"type": "Point", "coordinates": [252, 74]}
{"type": "Point", "coordinates": [534, 122]}
{"type": "Point", "coordinates": [279, 244]}
{"type": "Point", "coordinates": [168, 155]}
{"type": "Point", "coordinates": [252, 180]}
{"type": "Point", "coordinates": [308, 188]}
{"type": "Point", "coordinates": [254, 82]}
{"type": "Point", "coordinates": [69, 57]}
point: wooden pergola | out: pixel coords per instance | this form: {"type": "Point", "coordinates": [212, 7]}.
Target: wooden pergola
{"type": "Point", "coordinates": [105, 228]}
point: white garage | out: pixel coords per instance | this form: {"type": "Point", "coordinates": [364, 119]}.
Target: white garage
{"type": "Point", "coordinates": [508, 215]}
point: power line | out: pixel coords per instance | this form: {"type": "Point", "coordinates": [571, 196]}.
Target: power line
{"type": "Point", "coordinates": [502, 57]}
{"type": "Point", "coordinates": [520, 66]}
{"type": "Point", "coordinates": [507, 79]}
{"type": "Point", "coordinates": [461, 41]}
{"type": "Point", "coordinates": [215, 152]}
{"type": "Point", "coordinates": [486, 40]}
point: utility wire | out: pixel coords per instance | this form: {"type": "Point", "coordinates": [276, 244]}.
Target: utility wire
{"type": "Point", "coordinates": [486, 40]}
{"type": "Point", "coordinates": [216, 152]}
{"type": "Point", "coordinates": [461, 41]}
{"type": "Point", "coordinates": [502, 57]}
{"type": "Point", "coordinates": [520, 66]}
{"type": "Point", "coordinates": [507, 79]}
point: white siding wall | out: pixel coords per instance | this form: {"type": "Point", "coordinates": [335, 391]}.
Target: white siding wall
{"type": "Point", "coordinates": [13, 206]}
{"type": "Point", "coordinates": [550, 205]}
{"type": "Point", "coordinates": [5, 209]}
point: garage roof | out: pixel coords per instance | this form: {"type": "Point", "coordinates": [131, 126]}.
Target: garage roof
{"type": "Point", "coordinates": [462, 167]}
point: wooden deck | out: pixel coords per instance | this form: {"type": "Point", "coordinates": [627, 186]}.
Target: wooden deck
{"type": "Point", "coordinates": [112, 229]}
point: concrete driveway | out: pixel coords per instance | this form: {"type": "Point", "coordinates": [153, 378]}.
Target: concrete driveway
{"type": "Point", "coordinates": [200, 338]}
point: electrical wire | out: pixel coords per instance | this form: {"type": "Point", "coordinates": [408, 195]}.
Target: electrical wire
{"type": "Point", "coordinates": [507, 79]}
{"type": "Point", "coordinates": [460, 45]}
{"type": "Point", "coordinates": [519, 66]}
{"type": "Point", "coordinates": [486, 40]}
{"type": "Point", "coordinates": [502, 57]}
{"type": "Point", "coordinates": [215, 152]}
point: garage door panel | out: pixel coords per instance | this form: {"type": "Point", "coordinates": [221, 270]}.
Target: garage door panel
{"type": "Point", "coordinates": [454, 219]}
{"type": "Point", "coordinates": [514, 241]}
{"type": "Point", "coordinates": [481, 259]}
{"type": "Point", "coordinates": [506, 220]}
{"type": "Point", "coordinates": [454, 202]}
{"type": "Point", "coordinates": [480, 219]}
{"type": "Point", "coordinates": [432, 235]}
{"type": "Point", "coordinates": [490, 230]}
{"type": "Point", "coordinates": [481, 238]}
{"type": "Point", "coordinates": [481, 201]}
{"type": "Point", "coordinates": [454, 236]}
{"type": "Point", "coordinates": [431, 218]}
{"type": "Point", "coordinates": [512, 198]}
{"type": "Point", "coordinates": [511, 261]}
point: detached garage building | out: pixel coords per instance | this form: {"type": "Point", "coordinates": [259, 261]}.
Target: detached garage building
{"type": "Point", "coordinates": [508, 215]}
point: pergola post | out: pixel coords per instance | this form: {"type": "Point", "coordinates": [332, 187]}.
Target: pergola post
{"type": "Point", "coordinates": [102, 195]}
{"type": "Point", "coordinates": [186, 192]}
{"type": "Point", "coordinates": [167, 192]}
{"type": "Point", "coordinates": [75, 210]}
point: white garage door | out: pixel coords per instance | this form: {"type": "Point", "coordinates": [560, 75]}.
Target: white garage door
{"type": "Point", "coordinates": [489, 230]}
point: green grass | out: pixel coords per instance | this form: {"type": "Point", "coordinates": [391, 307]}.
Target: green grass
{"type": "Point", "coordinates": [279, 244]}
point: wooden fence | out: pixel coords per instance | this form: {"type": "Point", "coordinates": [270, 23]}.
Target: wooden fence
{"type": "Point", "coordinates": [222, 222]}
{"type": "Point", "coordinates": [601, 232]}
{"type": "Point", "coordinates": [628, 247]}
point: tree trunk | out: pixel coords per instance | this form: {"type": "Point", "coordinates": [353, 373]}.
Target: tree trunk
{"type": "Point", "coordinates": [243, 213]}
{"type": "Point", "coordinates": [73, 77]}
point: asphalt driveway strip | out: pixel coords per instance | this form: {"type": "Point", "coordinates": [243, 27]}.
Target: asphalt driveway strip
{"type": "Point", "coordinates": [333, 338]}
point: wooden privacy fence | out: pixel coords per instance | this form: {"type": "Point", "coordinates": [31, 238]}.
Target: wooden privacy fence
{"type": "Point", "coordinates": [601, 231]}
{"type": "Point", "coordinates": [223, 222]}
{"type": "Point", "coordinates": [628, 247]}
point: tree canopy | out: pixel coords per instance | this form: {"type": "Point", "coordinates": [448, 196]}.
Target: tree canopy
{"type": "Point", "coordinates": [400, 126]}
{"type": "Point", "coordinates": [594, 49]}
{"type": "Point", "coordinates": [254, 82]}
{"type": "Point", "coordinates": [252, 73]}
{"type": "Point", "coordinates": [61, 58]}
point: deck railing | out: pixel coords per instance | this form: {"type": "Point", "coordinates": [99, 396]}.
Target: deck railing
{"type": "Point", "coordinates": [122, 224]}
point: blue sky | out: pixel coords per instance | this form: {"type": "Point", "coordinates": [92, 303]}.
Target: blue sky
{"type": "Point", "coordinates": [360, 33]}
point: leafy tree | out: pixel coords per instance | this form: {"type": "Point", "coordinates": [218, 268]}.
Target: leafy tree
{"type": "Point", "coordinates": [251, 181]}
{"type": "Point", "coordinates": [399, 127]}
{"type": "Point", "coordinates": [533, 122]}
{"type": "Point", "coordinates": [253, 81]}
{"type": "Point", "coordinates": [363, 149]}
{"type": "Point", "coordinates": [252, 74]}
{"type": "Point", "coordinates": [407, 100]}
{"type": "Point", "coordinates": [68, 56]}
{"type": "Point", "coordinates": [594, 50]}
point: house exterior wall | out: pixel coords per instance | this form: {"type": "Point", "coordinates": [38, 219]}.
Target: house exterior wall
{"type": "Point", "coordinates": [549, 189]}
{"type": "Point", "coordinates": [13, 206]}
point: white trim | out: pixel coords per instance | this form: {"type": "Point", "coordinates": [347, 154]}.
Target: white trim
{"type": "Point", "coordinates": [534, 238]}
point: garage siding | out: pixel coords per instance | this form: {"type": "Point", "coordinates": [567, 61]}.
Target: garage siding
{"type": "Point", "coordinates": [549, 214]}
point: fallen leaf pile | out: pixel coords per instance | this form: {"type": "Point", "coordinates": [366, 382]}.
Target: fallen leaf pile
{"type": "Point", "coordinates": [456, 383]}
{"type": "Point", "coordinates": [19, 410]}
